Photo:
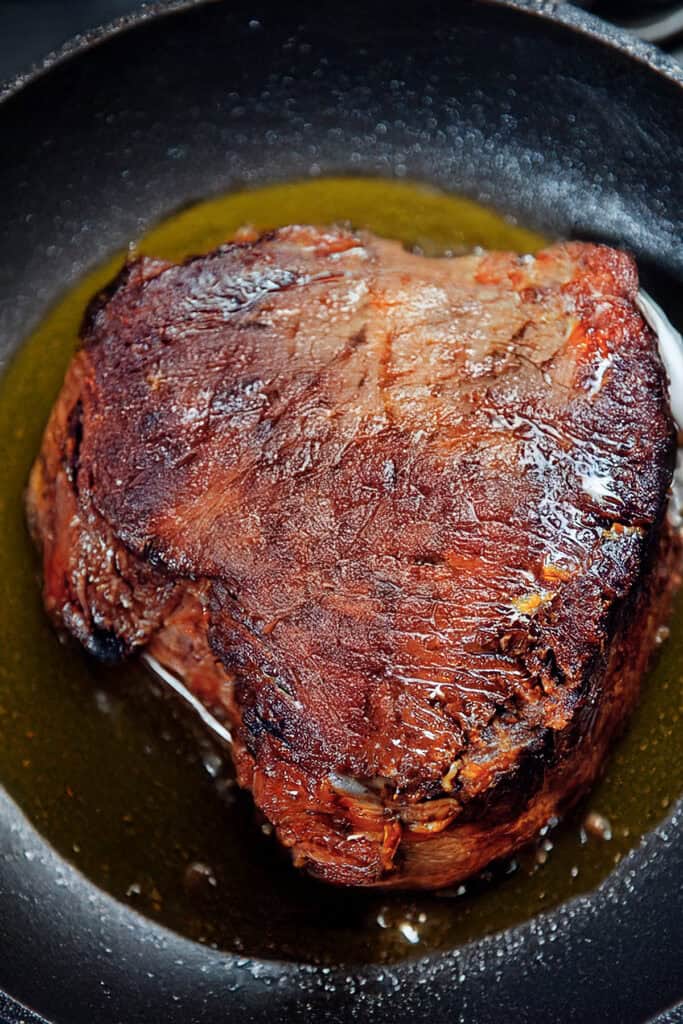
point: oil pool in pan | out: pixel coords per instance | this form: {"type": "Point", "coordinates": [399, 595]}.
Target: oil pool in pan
{"type": "Point", "coordinates": [125, 785]}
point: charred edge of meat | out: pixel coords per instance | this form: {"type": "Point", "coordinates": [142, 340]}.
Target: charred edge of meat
{"type": "Point", "coordinates": [511, 792]}
{"type": "Point", "coordinates": [72, 447]}
{"type": "Point", "coordinates": [106, 646]}
{"type": "Point", "coordinates": [100, 300]}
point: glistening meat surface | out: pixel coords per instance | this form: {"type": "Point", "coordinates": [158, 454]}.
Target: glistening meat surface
{"type": "Point", "coordinates": [400, 521]}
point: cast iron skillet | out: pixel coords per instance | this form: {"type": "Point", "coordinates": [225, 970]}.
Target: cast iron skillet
{"type": "Point", "coordinates": [531, 105]}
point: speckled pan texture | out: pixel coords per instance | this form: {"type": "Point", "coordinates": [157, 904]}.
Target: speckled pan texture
{"type": "Point", "coordinates": [534, 107]}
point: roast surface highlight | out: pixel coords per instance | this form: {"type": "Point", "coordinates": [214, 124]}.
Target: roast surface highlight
{"type": "Point", "coordinates": [400, 522]}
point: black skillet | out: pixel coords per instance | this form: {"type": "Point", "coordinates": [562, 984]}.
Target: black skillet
{"type": "Point", "coordinates": [528, 104]}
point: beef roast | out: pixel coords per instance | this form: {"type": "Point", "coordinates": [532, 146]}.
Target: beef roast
{"type": "Point", "coordinates": [400, 522]}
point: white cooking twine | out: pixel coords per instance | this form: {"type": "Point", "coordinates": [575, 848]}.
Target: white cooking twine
{"type": "Point", "coordinates": [670, 349]}
{"type": "Point", "coordinates": [174, 683]}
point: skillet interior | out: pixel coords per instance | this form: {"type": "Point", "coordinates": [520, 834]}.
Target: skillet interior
{"type": "Point", "coordinates": [576, 139]}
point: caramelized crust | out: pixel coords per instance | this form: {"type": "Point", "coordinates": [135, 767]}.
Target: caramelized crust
{"type": "Point", "coordinates": [399, 521]}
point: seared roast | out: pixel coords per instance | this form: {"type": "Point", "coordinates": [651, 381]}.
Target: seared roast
{"type": "Point", "coordinates": [399, 522]}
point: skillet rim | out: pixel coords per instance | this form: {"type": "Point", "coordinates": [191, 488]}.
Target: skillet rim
{"type": "Point", "coordinates": [553, 11]}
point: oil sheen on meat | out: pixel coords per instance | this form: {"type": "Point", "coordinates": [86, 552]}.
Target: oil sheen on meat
{"type": "Point", "coordinates": [399, 521]}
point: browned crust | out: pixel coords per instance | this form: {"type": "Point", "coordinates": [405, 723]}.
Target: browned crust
{"type": "Point", "coordinates": [400, 521]}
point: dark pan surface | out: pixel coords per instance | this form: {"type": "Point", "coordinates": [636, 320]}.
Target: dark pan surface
{"type": "Point", "coordinates": [531, 110]}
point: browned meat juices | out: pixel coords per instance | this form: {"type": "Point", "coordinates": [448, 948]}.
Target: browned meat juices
{"type": "Point", "coordinates": [399, 521]}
